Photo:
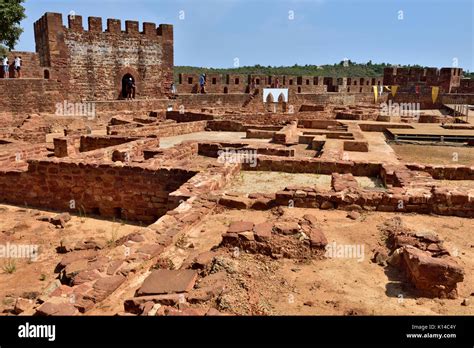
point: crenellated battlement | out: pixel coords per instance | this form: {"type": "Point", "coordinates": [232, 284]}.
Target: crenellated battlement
{"type": "Point", "coordinates": [69, 52]}
{"type": "Point", "coordinates": [445, 78]}
{"type": "Point", "coordinates": [245, 83]}
{"type": "Point", "coordinates": [419, 72]}
{"type": "Point", "coordinates": [95, 25]}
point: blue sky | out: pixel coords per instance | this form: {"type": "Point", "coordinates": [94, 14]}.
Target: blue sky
{"type": "Point", "coordinates": [215, 32]}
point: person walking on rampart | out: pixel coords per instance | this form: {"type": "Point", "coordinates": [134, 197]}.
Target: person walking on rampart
{"type": "Point", "coordinates": [252, 84]}
{"type": "Point", "coordinates": [277, 83]}
{"type": "Point", "coordinates": [202, 83]}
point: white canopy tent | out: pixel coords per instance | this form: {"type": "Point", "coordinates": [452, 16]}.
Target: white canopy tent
{"type": "Point", "coordinates": [275, 93]}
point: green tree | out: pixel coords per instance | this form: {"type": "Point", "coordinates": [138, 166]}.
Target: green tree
{"type": "Point", "coordinates": [12, 13]}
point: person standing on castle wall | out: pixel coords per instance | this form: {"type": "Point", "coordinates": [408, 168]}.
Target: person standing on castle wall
{"type": "Point", "coordinates": [130, 89]}
{"type": "Point", "coordinates": [5, 67]}
{"type": "Point", "coordinates": [202, 83]}
{"type": "Point", "coordinates": [17, 65]}
{"type": "Point", "coordinates": [277, 83]}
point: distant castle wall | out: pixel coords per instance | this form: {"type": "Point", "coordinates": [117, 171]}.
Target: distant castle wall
{"type": "Point", "coordinates": [448, 79]}
{"type": "Point", "coordinates": [235, 83]}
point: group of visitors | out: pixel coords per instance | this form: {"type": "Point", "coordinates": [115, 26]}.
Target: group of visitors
{"type": "Point", "coordinates": [16, 67]}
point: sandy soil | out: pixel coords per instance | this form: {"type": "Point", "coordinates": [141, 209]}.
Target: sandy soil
{"type": "Point", "coordinates": [336, 286]}
{"type": "Point", "coordinates": [379, 150]}
{"type": "Point", "coordinates": [426, 154]}
{"type": "Point", "coordinates": [271, 182]}
{"type": "Point", "coordinates": [19, 226]}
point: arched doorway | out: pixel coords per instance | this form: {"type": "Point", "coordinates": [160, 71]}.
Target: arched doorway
{"type": "Point", "coordinates": [125, 80]}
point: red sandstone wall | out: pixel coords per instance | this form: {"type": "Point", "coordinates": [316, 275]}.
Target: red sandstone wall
{"type": "Point", "coordinates": [239, 83]}
{"type": "Point", "coordinates": [165, 130]}
{"type": "Point", "coordinates": [89, 143]}
{"type": "Point", "coordinates": [132, 193]}
{"type": "Point", "coordinates": [29, 95]}
{"type": "Point", "coordinates": [445, 78]}
{"type": "Point", "coordinates": [11, 153]}
{"type": "Point", "coordinates": [315, 166]}
{"type": "Point", "coordinates": [187, 116]}
{"type": "Point", "coordinates": [91, 63]}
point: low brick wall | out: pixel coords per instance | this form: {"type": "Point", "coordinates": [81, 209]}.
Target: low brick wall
{"type": "Point", "coordinates": [226, 126]}
{"type": "Point", "coordinates": [240, 126]}
{"type": "Point", "coordinates": [318, 124]}
{"type": "Point", "coordinates": [134, 193]}
{"type": "Point", "coordinates": [306, 107]}
{"type": "Point", "coordinates": [100, 148]}
{"type": "Point", "coordinates": [178, 152]}
{"type": "Point", "coordinates": [165, 130]}
{"type": "Point", "coordinates": [212, 149]}
{"type": "Point", "coordinates": [359, 146]}
{"type": "Point", "coordinates": [187, 116]}
{"type": "Point", "coordinates": [213, 178]}
{"type": "Point", "coordinates": [381, 127]}
{"type": "Point", "coordinates": [346, 195]}
{"type": "Point", "coordinates": [315, 166]}
{"type": "Point", "coordinates": [66, 146]}
{"type": "Point", "coordinates": [449, 172]}
{"type": "Point", "coordinates": [335, 98]}
{"type": "Point", "coordinates": [259, 134]}
{"type": "Point", "coordinates": [355, 116]}
{"type": "Point", "coordinates": [12, 153]}
{"type": "Point", "coordinates": [125, 152]}
{"type": "Point", "coordinates": [89, 143]}
{"type": "Point", "coordinates": [436, 200]}
{"type": "Point", "coordinates": [123, 128]}
{"type": "Point", "coordinates": [287, 135]}
{"type": "Point", "coordinates": [24, 135]}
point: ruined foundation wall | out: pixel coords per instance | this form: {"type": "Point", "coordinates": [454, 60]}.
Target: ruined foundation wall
{"type": "Point", "coordinates": [133, 192]}
{"type": "Point", "coordinates": [315, 166]}
{"type": "Point", "coordinates": [166, 130]}
{"type": "Point", "coordinates": [89, 143]}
